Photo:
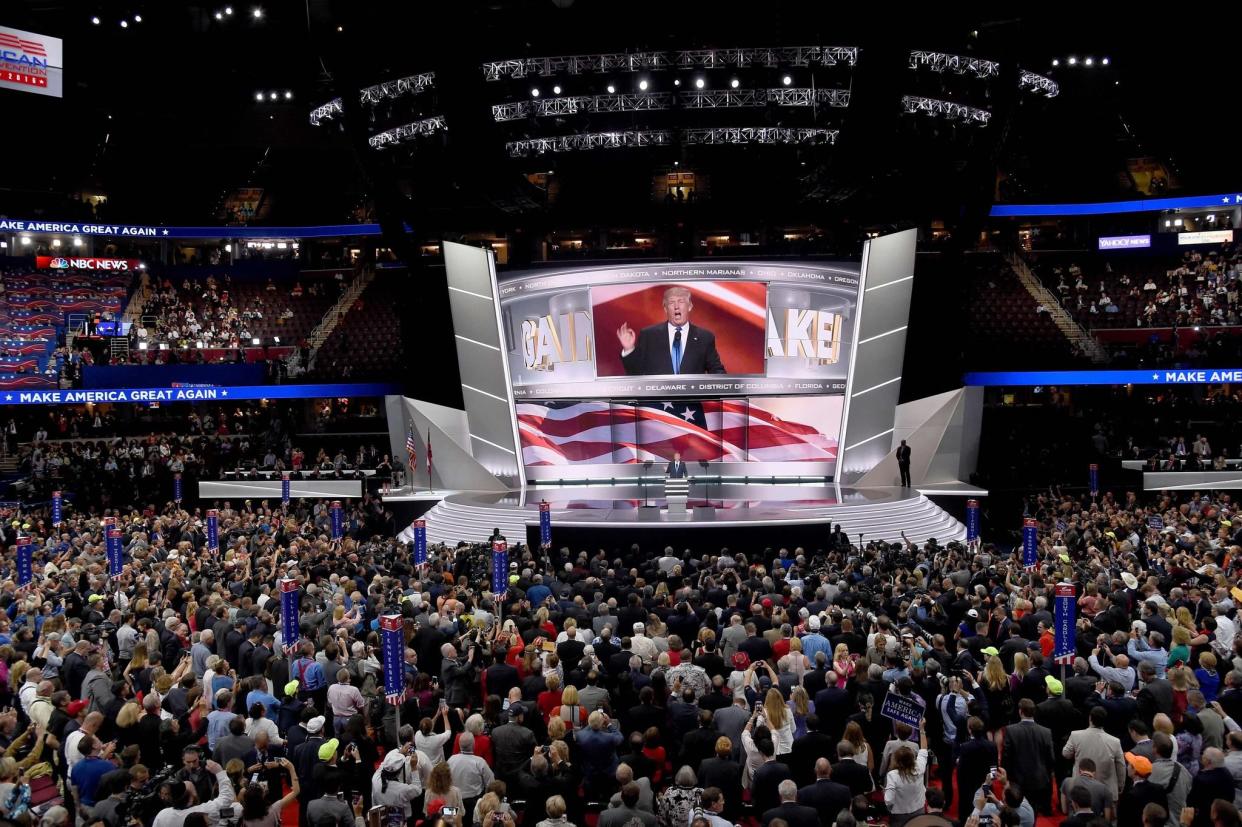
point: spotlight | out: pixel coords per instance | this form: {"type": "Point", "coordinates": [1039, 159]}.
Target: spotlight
{"type": "Point", "coordinates": [124, 24]}
{"type": "Point", "coordinates": [1104, 61]}
{"type": "Point", "coordinates": [534, 91]}
{"type": "Point", "coordinates": [340, 28]}
{"type": "Point", "coordinates": [228, 248]}
{"type": "Point", "coordinates": [556, 90]}
{"type": "Point", "coordinates": [274, 96]}
{"type": "Point", "coordinates": [612, 90]}
{"type": "Point", "coordinates": [95, 21]}
{"type": "Point", "coordinates": [677, 81]}
{"type": "Point", "coordinates": [1073, 61]}
{"type": "Point", "coordinates": [1055, 62]}
{"type": "Point", "coordinates": [258, 96]}
{"type": "Point", "coordinates": [1089, 61]}
{"type": "Point", "coordinates": [288, 95]}
{"type": "Point", "coordinates": [642, 84]}
{"type": "Point", "coordinates": [137, 18]}
{"type": "Point", "coordinates": [228, 9]}
{"type": "Point", "coordinates": [219, 15]}
{"type": "Point", "coordinates": [735, 83]}
{"type": "Point", "coordinates": [786, 80]}
{"type": "Point", "coordinates": [699, 83]}
{"type": "Point", "coordinates": [256, 13]}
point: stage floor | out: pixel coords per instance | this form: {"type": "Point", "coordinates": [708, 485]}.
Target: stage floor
{"type": "Point", "coordinates": [876, 513]}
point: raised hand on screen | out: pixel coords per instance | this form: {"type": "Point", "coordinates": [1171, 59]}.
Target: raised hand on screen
{"type": "Point", "coordinates": [627, 336]}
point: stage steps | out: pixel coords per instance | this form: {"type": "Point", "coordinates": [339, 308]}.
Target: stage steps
{"type": "Point", "coordinates": [456, 519]}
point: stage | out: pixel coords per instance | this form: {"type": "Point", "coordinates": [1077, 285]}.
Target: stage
{"type": "Point", "coordinates": [744, 515]}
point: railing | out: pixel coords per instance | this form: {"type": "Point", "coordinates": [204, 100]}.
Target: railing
{"type": "Point", "coordinates": [1073, 331]}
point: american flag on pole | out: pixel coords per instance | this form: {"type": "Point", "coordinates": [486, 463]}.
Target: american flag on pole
{"type": "Point", "coordinates": [733, 430]}
{"type": "Point", "coordinates": [411, 449]}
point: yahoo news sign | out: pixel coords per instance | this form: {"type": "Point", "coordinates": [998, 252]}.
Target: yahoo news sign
{"type": "Point", "coordinates": [194, 394]}
{"type": "Point", "coordinates": [1124, 242]}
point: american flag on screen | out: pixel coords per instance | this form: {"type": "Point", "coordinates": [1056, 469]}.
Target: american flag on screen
{"type": "Point", "coordinates": [566, 433]}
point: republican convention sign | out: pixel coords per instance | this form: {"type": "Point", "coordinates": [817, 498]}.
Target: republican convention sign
{"type": "Point", "coordinates": [194, 394]}
{"type": "Point", "coordinates": [31, 62]}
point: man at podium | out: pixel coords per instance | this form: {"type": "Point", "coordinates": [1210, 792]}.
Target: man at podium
{"type": "Point", "coordinates": [676, 469]}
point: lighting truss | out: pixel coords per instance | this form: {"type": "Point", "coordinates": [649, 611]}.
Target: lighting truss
{"type": "Point", "coordinates": [590, 140]}
{"type": "Point", "coordinates": [946, 109]}
{"type": "Point", "coordinates": [664, 137]}
{"type": "Point", "coordinates": [389, 89]}
{"type": "Point", "coordinates": [407, 132]}
{"type": "Point", "coordinates": [958, 64]}
{"type": "Point", "coordinates": [794, 56]}
{"type": "Point", "coordinates": [1029, 81]}
{"type": "Point", "coordinates": [657, 101]}
{"type": "Point", "coordinates": [759, 135]}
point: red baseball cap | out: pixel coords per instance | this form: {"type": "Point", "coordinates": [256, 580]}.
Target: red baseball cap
{"type": "Point", "coordinates": [767, 603]}
{"type": "Point", "coordinates": [75, 708]}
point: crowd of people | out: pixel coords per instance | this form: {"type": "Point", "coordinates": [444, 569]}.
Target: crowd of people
{"type": "Point", "coordinates": [627, 686]}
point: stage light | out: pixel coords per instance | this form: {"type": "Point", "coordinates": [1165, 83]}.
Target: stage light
{"type": "Point", "coordinates": [1055, 62]}
{"type": "Point", "coordinates": [274, 96]}
{"type": "Point", "coordinates": [256, 13]}
{"type": "Point", "coordinates": [77, 242]}
{"type": "Point", "coordinates": [95, 21]}
{"type": "Point", "coordinates": [786, 80]}
{"type": "Point", "coordinates": [642, 84]}
{"type": "Point", "coordinates": [556, 90]}
{"type": "Point", "coordinates": [137, 18]}
{"type": "Point", "coordinates": [677, 81]}
{"type": "Point", "coordinates": [1089, 61]}
{"type": "Point", "coordinates": [1104, 61]}
{"type": "Point", "coordinates": [1073, 61]}
{"type": "Point", "coordinates": [735, 83]}
{"type": "Point", "coordinates": [258, 96]}
{"type": "Point", "coordinates": [228, 9]}
{"type": "Point", "coordinates": [699, 83]}
{"type": "Point", "coordinates": [55, 242]}
{"type": "Point", "coordinates": [340, 28]}
{"type": "Point", "coordinates": [612, 90]}
{"type": "Point", "coordinates": [228, 248]}
{"type": "Point", "coordinates": [124, 24]}
{"type": "Point", "coordinates": [219, 15]}
{"type": "Point", "coordinates": [254, 341]}
{"type": "Point", "coordinates": [288, 95]}
{"type": "Point", "coordinates": [534, 91]}
{"type": "Point", "coordinates": [142, 265]}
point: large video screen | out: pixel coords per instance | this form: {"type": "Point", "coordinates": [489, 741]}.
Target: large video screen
{"type": "Point", "coordinates": [675, 330]}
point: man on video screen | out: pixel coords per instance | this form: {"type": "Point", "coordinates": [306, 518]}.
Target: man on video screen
{"type": "Point", "coordinates": [673, 346]}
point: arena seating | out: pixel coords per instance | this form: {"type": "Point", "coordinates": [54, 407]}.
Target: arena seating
{"type": "Point", "coordinates": [1006, 326]}
{"type": "Point", "coordinates": [367, 341]}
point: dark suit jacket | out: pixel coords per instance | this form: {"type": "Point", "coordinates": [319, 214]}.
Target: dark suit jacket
{"type": "Point", "coordinates": [652, 355]}
{"type": "Point", "coordinates": [853, 775]}
{"type": "Point", "coordinates": [795, 815]}
{"type": "Point", "coordinates": [1155, 697]}
{"type": "Point", "coordinates": [675, 469]}
{"type": "Point", "coordinates": [903, 454]}
{"type": "Point", "coordinates": [975, 758]}
{"type": "Point", "coordinates": [1028, 754]}
{"type": "Point", "coordinates": [764, 782]}
{"type": "Point", "coordinates": [827, 797]}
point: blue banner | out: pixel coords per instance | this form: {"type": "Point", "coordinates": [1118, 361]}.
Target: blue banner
{"type": "Point", "coordinates": [213, 531]}
{"type": "Point", "coordinates": [1039, 378]}
{"type": "Point", "coordinates": [290, 606]}
{"type": "Point", "coordinates": [420, 542]}
{"type": "Point", "coordinates": [25, 562]}
{"type": "Point", "coordinates": [972, 521]}
{"type": "Point", "coordinates": [177, 487]}
{"type": "Point", "coordinates": [1030, 543]}
{"type": "Point", "coordinates": [545, 525]}
{"type": "Point", "coordinates": [57, 508]}
{"type": "Point", "coordinates": [337, 518]}
{"type": "Point", "coordinates": [1066, 601]}
{"type": "Point", "coordinates": [1114, 207]}
{"type": "Point", "coordinates": [197, 394]}
{"type": "Point", "coordinates": [116, 549]}
{"type": "Point", "coordinates": [902, 709]}
{"type": "Point", "coordinates": [284, 488]}
{"type": "Point", "coordinates": [1093, 479]}
{"type": "Point", "coordinates": [500, 568]}
{"type": "Point", "coordinates": [392, 629]}
{"type": "Point", "coordinates": [159, 231]}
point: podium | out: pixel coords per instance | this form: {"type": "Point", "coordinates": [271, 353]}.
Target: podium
{"type": "Point", "coordinates": [676, 492]}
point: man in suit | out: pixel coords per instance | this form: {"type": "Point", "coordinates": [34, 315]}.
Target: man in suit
{"type": "Point", "coordinates": [824, 795]}
{"type": "Point", "coordinates": [1155, 697]}
{"type": "Point", "coordinates": [1102, 749]}
{"type": "Point", "coordinates": [851, 773]}
{"type": "Point", "coordinates": [676, 469]}
{"type": "Point", "coordinates": [674, 346]}
{"type": "Point", "coordinates": [620, 816]}
{"type": "Point", "coordinates": [1027, 754]}
{"type": "Point", "coordinates": [768, 776]}
{"type": "Point", "coordinates": [789, 810]}
{"type": "Point", "coordinates": [903, 463]}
